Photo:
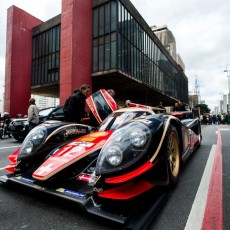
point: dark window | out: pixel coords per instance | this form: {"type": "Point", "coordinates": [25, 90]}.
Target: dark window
{"type": "Point", "coordinates": [46, 56]}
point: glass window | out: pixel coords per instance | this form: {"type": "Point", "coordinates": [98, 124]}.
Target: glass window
{"type": "Point", "coordinates": [107, 56]}
{"type": "Point", "coordinates": [95, 22]}
{"type": "Point", "coordinates": [95, 59]}
{"type": "Point", "coordinates": [101, 20]}
{"type": "Point", "coordinates": [107, 18]}
{"type": "Point", "coordinates": [101, 57]}
{"type": "Point", "coordinates": [113, 54]}
{"type": "Point", "coordinates": [113, 15]}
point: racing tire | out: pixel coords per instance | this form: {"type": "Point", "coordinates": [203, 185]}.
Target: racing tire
{"type": "Point", "coordinates": [174, 156]}
{"type": "Point", "coordinates": [18, 137]}
{"type": "Point", "coordinates": [1, 133]}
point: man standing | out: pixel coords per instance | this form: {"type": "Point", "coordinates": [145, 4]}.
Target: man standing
{"type": "Point", "coordinates": [181, 105]}
{"type": "Point", "coordinates": [33, 114]}
{"type": "Point", "coordinates": [76, 107]}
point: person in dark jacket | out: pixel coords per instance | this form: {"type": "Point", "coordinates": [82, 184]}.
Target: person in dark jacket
{"type": "Point", "coordinates": [181, 105]}
{"type": "Point", "coordinates": [176, 107]}
{"type": "Point", "coordinates": [76, 107]}
{"type": "Point", "coordinates": [66, 105]}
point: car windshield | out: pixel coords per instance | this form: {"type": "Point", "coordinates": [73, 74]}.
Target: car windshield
{"type": "Point", "coordinates": [45, 112]}
{"type": "Point", "coordinates": [117, 119]}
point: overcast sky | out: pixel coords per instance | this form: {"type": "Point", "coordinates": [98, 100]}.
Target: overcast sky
{"type": "Point", "coordinates": [201, 29]}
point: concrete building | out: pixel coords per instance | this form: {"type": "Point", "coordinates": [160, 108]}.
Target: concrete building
{"type": "Point", "coordinates": [168, 40]}
{"type": "Point", "coordinates": [104, 43]}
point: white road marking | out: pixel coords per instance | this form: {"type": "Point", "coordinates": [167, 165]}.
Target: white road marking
{"type": "Point", "coordinates": [16, 146]}
{"type": "Point", "coordinates": [196, 215]}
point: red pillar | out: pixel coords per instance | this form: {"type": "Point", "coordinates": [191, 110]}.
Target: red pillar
{"type": "Point", "coordinates": [76, 46]}
{"type": "Point", "coordinates": [18, 60]}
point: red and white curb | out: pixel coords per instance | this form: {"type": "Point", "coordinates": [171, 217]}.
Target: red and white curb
{"type": "Point", "coordinates": [207, 208]}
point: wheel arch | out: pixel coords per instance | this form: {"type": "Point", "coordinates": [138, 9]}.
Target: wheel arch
{"type": "Point", "coordinates": [178, 127]}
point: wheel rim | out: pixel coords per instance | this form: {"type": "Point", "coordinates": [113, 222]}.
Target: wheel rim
{"type": "Point", "coordinates": [174, 155]}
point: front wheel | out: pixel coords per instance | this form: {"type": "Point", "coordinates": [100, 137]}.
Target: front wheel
{"type": "Point", "coordinates": [174, 156]}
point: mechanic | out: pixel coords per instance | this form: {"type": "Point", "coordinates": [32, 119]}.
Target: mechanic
{"type": "Point", "coordinates": [76, 108]}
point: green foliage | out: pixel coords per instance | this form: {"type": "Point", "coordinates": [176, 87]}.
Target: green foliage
{"type": "Point", "coordinates": [203, 108]}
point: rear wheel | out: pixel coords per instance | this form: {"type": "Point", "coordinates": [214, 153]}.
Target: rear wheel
{"type": "Point", "coordinates": [174, 156]}
{"type": "Point", "coordinates": [1, 133]}
{"type": "Point", "coordinates": [19, 138]}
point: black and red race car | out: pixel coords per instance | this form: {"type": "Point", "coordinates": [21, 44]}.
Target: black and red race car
{"type": "Point", "coordinates": [112, 171]}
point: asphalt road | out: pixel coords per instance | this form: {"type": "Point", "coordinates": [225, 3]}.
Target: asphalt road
{"type": "Point", "coordinates": [20, 209]}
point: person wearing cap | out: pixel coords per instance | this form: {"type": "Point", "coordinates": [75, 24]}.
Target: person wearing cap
{"type": "Point", "coordinates": [33, 114]}
{"type": "Point", "coordinates": [76, 108]}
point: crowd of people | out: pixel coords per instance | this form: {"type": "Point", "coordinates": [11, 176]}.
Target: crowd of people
{"type": "Point", "coordinates": [209, 119]}
{"type": "Point", "coordinates": [178, 106]}
{"type": "Point", "coordinates": [75, 109]}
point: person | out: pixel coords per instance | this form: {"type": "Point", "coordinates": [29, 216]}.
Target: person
{"type": "Point", "coordinates": [176, 107]}
{"type": "Point", "coordinates": [181, 105]}
{"type": "Point", "coordinates": [163, 110]}
{"type": "Point", "coordinates": [127, 103]}
{"type": "Point", "coordinates": [33, 114]}
{"type": "Point", "coordinates": [111, 92]}
{"type": "Point", "coordinates": [76, 107]}
{"type": "Point", "coordinates": [66, 105]}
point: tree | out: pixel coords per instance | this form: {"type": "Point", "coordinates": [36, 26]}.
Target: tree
{"type": "Point", "coordinates": [203, 108]}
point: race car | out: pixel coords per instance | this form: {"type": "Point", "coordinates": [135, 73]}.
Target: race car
{"type": "Point", "coordinates": [111, 171]}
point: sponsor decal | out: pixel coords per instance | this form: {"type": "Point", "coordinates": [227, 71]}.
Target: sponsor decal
{"type": "Point", "coordinates": [97, 189]}
{"type": "Point", "coordinates": [84, 144]}
{"type": "Point", "coordinates": [84, 177]}
{"type": "Point", "coordinates": [29, 180]}
{"type": "Point", "coordinates": [90, 178]}
{"type": "Point", "coordinates": [71, 192]}
{"type": "Point", "coordinates": [74, 131]}
{"type": "Point", "coordinates": [98, 134]}
{"type": "Point", "coordinates": [85, 139]}
{"type": "Point", "coordinates": [39, 187]}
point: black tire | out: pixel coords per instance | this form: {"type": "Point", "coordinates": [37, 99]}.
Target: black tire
{"type": "Point", "coordinates": [18, 138]}
{"type": "Point", "coordinates": [1, 133]}
{"type": "Point", "coordinates": [174, 156]}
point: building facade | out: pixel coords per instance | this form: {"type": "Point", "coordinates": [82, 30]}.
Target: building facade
{"type": "Point", "coordinates": [104, 43]}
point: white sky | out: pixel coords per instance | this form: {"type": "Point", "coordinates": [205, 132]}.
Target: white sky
{"type": "Point", "coordinates": [201, 29]}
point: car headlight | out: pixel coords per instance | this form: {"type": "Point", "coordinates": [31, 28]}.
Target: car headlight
{"type": "Point", "coordinates": [114, 155]}
{"type": "Point", "coordinates": [138, 137]}
{"type": "Point", "coordinates": [33, 140]}
{"type": "Point", "coordinates": [125, 146]}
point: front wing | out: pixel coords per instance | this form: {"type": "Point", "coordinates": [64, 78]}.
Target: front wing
{"type": "Point", "coordinates": [135, 218]}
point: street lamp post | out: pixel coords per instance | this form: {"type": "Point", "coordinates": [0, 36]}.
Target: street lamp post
{"type": "Point", "coordinates": [228, 76]}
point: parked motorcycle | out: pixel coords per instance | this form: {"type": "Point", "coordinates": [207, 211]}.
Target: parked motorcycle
{"type": "Point", "coordinates": [4, 126]}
